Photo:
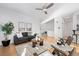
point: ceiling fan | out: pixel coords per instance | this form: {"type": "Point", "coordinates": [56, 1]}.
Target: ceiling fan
{"type": "Point", "coordinates": [45, 7]}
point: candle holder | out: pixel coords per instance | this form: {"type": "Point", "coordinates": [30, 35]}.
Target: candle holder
{"type": "Point", "coordinates": [41, 43]}
{"type": "Point", "coordinates": [34, 44]}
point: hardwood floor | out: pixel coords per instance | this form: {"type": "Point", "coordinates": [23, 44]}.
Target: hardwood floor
{"type": "Point", "coordinates": [76, 52]}
{"type": "Point", "coordinates": [8, 51]}
{"type": "Point", "coordinates": [11, 50]}
{"type": "Point", "coordinates": [50, 40]}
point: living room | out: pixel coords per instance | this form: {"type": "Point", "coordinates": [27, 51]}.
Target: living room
{"type": "Point", "coordinates": [35, 24]}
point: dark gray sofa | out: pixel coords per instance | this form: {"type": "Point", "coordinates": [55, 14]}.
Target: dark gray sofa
{"type": "Point", "coordinates": [25, 38]}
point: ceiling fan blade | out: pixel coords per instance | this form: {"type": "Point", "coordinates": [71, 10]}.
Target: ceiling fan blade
{"type": "Point", "coordinates": [50, 5]}
{"type": "Point", "coordinates": [39, 9]}
{"type": "Point", "coordinates": [45, 12]}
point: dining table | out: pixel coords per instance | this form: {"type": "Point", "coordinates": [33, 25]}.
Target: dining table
{"type": "Point", "coordinates": [62, 48]}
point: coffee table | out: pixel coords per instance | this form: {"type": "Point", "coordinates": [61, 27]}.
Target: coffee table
{"type": "Point", "coordinates": [30, 51]}
{"type": "Point", "coordinates": [35, 42]}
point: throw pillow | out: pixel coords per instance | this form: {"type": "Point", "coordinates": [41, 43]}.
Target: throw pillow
{"type": "Point", "coordinates": [25, 34]}
{"type": "Point", "coordinates": [19, 35]}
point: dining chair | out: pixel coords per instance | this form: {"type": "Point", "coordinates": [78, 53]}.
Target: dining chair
{"type": "Point", "coordinates": [72, 52]}
{"type": "Point", "coordinates": [69, 40]}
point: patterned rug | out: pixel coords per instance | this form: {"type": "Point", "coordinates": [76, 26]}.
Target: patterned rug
{"type": "Point", "coordinates": [26, 49]}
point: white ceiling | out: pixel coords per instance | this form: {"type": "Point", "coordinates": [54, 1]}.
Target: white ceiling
{"type": "Point", "coordinates": [59, 9]}
{"type": "Point", "coordinates": [26, 9]}
{"type": "Point", "coordinates": [64, 9]}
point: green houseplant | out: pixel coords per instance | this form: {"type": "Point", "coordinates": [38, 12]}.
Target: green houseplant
{"type": "Point", "coordinates": [7, 30]}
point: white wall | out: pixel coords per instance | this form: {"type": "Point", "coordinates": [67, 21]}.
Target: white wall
{"type": "Point", "coordinates": [68, 27]}
{"type": "Point", "coordinates": [15, 17]}
{"type": "Point", "coordinates": [75, 21]}
{"type": "Point", "coordinates": [58, 23]}
{"type": "Point", "coordinates": [49, 27]}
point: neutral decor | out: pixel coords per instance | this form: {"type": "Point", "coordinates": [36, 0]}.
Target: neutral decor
{"type": "Point", "coordinates": [7, 30]}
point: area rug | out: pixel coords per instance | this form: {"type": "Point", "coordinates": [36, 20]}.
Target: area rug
{"type": "Point", "coordinates": [27, 50]}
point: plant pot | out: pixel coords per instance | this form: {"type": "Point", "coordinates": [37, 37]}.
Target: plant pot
{"type": "Point", "coordinates": [6, 43]}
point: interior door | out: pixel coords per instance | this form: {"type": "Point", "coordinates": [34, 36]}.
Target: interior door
{"type": "Point", "coordinates": [68, 27]}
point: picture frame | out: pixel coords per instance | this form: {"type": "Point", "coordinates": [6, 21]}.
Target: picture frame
{"type": "Point", "coordinates": [22, 26]}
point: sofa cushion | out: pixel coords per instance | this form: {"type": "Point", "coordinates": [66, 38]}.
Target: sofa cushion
{"type": "Point", "coordinates": [15, 37]}
{"type": "Point", "coordinates": [25, 34]}
{"type": "Point", "coordinates": [19, 35]}
{"type": "Point", "coordinates": [23, 38]}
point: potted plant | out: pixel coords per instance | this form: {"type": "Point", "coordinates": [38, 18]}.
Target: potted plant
{"type": "Point", "coordinates": [7, 30]}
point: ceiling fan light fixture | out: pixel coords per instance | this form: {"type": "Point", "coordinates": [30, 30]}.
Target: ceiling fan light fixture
{"type": "Point", "coordinates": [44, 9]}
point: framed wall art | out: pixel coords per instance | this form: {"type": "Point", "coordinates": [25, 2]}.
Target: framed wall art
{"type": "Point", "coordinates": [24, 27]}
